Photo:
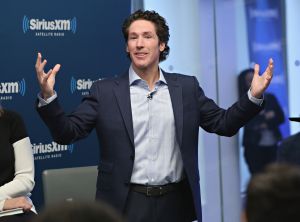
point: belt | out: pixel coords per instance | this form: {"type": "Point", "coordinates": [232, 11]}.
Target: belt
{"type": "Point", "coordinates": [155, 190]}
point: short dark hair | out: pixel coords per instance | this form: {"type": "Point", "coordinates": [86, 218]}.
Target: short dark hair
{"type": "Point", "coordinates": [79, 212]}
{"type": "Point", "coordinates": [243, 88]}
{"type": "Point", "coordinates": [162, 29]}
{"type": "Point", "coordinates": [274, 195]}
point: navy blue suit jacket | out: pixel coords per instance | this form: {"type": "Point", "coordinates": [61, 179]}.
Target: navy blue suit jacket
{"type": "Point", "coordinates": [108, 109]}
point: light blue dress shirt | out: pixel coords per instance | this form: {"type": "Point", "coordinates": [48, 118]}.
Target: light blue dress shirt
{"type": "Point", "coordinates": [157, 156]}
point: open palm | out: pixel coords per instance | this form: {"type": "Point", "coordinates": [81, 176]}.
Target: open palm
{"type": "Point", "coordinates": [46, 80]}
{"type": "Point", "coordinates": [260, 83]}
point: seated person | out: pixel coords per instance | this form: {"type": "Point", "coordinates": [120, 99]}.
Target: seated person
{"type": "Point", "coordinates": [274, 195]}
{"type": "Point", "coordinates": [16, 167]}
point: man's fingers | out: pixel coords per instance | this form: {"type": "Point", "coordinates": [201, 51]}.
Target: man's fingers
{"type": "Point", "coordinates": [256, 70]}
{"type": "Point", "coordinates": [48, 73]}
{"type": "Point", "coordinates": [39, 64]}
{"type": "Point", "coordinates": [45, 77]}
{"type": "Point", "coordinates": [271, 62]}
{"type": "Point", "coordinates": [38, 60]}
{"type": "Point", "coordinates": [269, 70]}
{"type": "Point", "coordinates": [52, 71]}
{"type": "Point", "coordinates": [55, 69]}
{"type": "Point", "coordinates": [42, 66]}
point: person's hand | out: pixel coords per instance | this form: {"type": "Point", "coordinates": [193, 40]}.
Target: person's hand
{"type": "Point", "coordinates": [18, 202]}
{"type": "Point", "coordinates": [260, 83]}
{"type": "Point", "coordinates": [46, 80]}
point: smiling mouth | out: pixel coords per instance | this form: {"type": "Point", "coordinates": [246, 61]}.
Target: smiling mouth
{"type": "Point", "coordinates": [140, 54]}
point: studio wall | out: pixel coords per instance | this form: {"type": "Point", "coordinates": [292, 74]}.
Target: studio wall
{"type": "Point", "coordinates": [85, 37]}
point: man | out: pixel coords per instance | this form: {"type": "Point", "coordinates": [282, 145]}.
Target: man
{"type": "Point", "coordinates": [147, 122]}
{"type": "Point", "coordinates": [274, 195]}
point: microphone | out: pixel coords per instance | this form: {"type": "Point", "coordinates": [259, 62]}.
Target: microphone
{"type": "Point", "coordinates": [150, 95]}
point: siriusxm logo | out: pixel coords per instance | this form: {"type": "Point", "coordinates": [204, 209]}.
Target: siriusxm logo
{"type": "Point", "coordinates": [13, 87]}
{"type": "Point", "coordinates": [272, 46]}
{"type": "Point", "coordinates": [80, 84]}
{"type": "Point", "coordinates": [51, 148]}
{"type": "Point", "coordinates": [263, 14]}
{"type": "Point", "coordinates": [34, 24]}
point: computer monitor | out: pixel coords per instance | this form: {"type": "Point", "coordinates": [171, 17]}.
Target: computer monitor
{"type": "Point", "coordinates": [69, 184]}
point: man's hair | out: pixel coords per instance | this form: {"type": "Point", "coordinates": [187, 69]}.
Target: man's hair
{"type": "Point", "coordinates": [274, 195]}
{"type": "Point", "coordinates": [243, 88]}
{"type": "Point", "coordinates": [79, 212]}
{"type": "Point", "coordinates": [162, 29]}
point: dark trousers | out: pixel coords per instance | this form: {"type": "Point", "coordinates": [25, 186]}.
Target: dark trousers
{"type": "Point", "coordinates": [175, 206]}
{"type": "Point", "coordinates": [258, 157]}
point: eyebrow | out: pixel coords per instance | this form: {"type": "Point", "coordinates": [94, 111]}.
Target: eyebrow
{"type": "Point", "coordinates": [143, 33]}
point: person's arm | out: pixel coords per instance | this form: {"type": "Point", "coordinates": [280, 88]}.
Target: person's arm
{"type": "Point", "coordinates": [65, 129]}
{"type": "Point", "coordinates": [68, 128]}
{"type": "Point", "coordinates": [23, 181]}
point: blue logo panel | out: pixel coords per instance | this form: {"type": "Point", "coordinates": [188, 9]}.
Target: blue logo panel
{"type": "Point", "coordinates": [86, 39]}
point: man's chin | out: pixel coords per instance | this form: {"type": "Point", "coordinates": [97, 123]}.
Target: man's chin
{"type": "Point", "coordinates": [140, 66]}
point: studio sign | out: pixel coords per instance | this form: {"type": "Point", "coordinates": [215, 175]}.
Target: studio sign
{"type": "Point", "coordinates": [13, 87]}
{"type": "Point", "coordinates": [35, 24]}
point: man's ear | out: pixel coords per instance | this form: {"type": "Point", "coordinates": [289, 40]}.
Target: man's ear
{"type": "Point", "coordinates": [127, 48]}
{"type": "Point", "coordinates": [162, 46]}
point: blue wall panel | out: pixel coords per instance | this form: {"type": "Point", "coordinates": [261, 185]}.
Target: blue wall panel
{"type": "Point", "coordinates": [85, 38]}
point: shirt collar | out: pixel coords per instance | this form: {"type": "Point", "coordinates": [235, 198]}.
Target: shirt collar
{"type": "Point", "coordinates": [134, 77]}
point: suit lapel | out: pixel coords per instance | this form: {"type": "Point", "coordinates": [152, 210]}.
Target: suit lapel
{"type": "Point", "coordinates": [175, 91]}
{"type": "Point", "coordinates": [122, 94]}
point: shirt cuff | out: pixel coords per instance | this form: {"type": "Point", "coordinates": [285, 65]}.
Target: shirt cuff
{"type": "Point", "coordinates": [44, 102]}
{"type": "Point", "coordinates": [254, 99]}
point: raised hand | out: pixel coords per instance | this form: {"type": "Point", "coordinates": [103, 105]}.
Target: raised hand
{"type": "Point", "coordinates": [46, 80]}
{"type": "Point", "coordinates": [260, 83]}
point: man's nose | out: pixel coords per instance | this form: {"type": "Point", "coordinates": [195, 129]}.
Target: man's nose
{"type": "Point", "coordinates": [140, 42]}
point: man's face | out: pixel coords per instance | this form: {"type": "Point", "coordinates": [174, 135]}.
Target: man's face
{"type": "Point", "coordinates": [143, 45]}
